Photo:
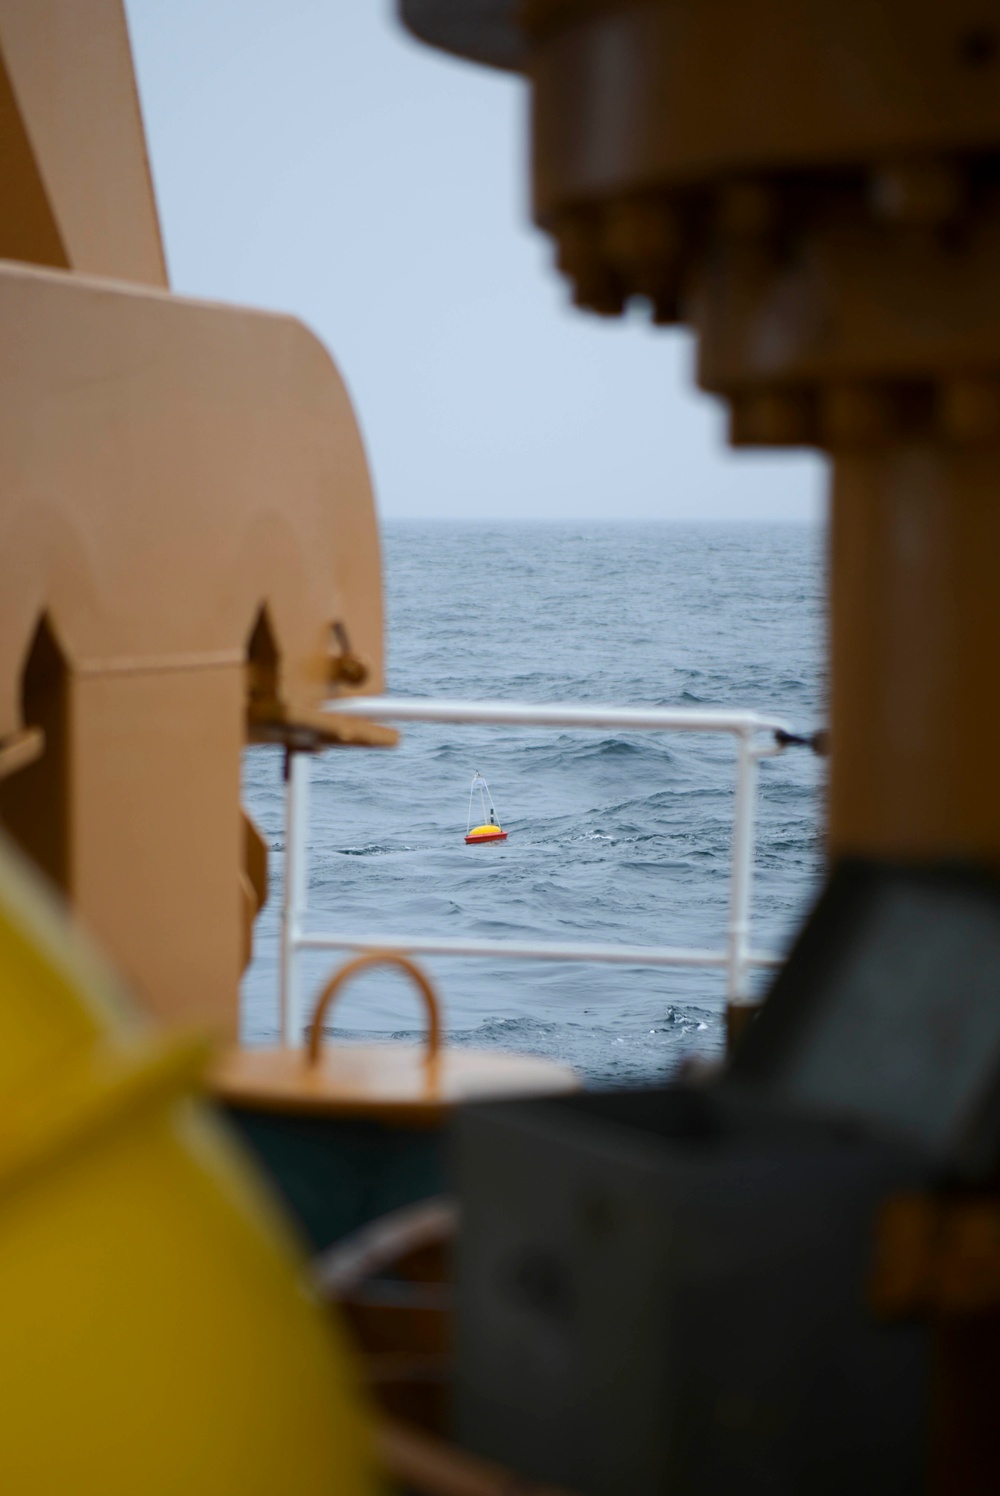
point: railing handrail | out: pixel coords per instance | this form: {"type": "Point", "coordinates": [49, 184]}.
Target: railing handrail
{"type": "Point", "coordinates": [745, 727]}
{"type": "Point", "coordinates": [541, 950]}
{"type": "Point", "coordinates": [555, 714]}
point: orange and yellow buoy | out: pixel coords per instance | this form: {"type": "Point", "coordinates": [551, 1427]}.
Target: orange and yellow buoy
{"type": "Point", "coordinates": [489, 830]}
{"type": "Point", "coordinates": [485, 833]}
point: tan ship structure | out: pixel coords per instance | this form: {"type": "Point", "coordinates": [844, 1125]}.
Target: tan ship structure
{"type": "Point", "coordinates": [189, 562]}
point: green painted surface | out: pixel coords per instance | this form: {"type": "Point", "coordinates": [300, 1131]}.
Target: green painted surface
{"type": "Point", "coordinates": [335, 1175]}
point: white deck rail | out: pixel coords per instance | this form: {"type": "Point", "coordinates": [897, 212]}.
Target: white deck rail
{"type": "Point", "coordinates": [756, 737]}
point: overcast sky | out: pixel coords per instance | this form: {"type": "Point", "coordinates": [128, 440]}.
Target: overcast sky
{"type": "Point", "coordinates": [309, 157]}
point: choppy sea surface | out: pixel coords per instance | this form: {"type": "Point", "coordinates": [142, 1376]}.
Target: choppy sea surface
{"type": "Point", "coordinates": [613, 836]}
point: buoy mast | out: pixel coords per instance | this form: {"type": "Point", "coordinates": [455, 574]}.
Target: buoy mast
{"type": "Point", "coordinates": [489, 829]}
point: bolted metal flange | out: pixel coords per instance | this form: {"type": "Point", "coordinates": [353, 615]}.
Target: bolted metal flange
{"type": "Point", "coordinates": [643, 240]}
{"type": "Point", "coordinates": [597, 286]}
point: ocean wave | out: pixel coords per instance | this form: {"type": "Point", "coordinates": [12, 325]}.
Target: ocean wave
{"type": "Point", "coordinates": [375, 849]}
{"type": "Point", "coordinates": [614, 836]}
{"type": "Point", "coordinates": [566, 751]}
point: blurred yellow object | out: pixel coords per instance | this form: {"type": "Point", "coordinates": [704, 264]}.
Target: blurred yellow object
{"type": "Point", "coordinates": [155, 1337]}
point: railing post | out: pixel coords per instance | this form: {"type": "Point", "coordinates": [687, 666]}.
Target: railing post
{"type": "Point", "coordinates": [738, 958]}
{"type": "Point", "coordinates": [296, 890]}
{"type": "Point", "coordinates": [738, 928]}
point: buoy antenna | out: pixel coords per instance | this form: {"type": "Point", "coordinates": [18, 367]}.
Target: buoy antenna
{"type": "Point", "coordinates": [479, 783]}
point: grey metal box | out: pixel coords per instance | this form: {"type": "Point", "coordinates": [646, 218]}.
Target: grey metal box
{"type": "Point", "coordinates": [664, 1291]}
{"type": "Point", "coordinates": [887, 1012]}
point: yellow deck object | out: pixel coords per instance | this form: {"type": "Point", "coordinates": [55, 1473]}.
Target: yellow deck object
{"type": "Point", "coordinates": [156, 1337]}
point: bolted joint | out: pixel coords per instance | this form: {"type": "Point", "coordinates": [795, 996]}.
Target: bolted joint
{"type": "Point", "coordinates": [642, 240]}
{"type": "Point", "coordinates": [345, 667]}
{"type": "Point", "coordinates": [597, 287]}
{"type": "Point", "coordinates": [744, 227]}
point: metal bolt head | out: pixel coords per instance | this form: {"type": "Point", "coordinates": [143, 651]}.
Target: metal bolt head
{"type": "Point", "coordinates": [579, 255]}
{"type": "Point", "coordinates": [642, 239]}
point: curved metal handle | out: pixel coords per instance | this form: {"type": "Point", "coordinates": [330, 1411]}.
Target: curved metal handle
{"type": "Point", "coordinates": [360, 963]}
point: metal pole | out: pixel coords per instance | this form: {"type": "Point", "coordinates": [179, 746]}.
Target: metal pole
{"type": "Point", "coordinates": [607, 955]}
{"type": "Point", "coordinates": [532, 714]}
{"type": "Point", "coordinates": [738, 929]}
{"type": "Point", "coordinates": [296, 890]}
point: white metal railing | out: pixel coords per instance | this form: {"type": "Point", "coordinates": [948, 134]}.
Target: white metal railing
{"type": "Point", "coordinates": [756, 737]}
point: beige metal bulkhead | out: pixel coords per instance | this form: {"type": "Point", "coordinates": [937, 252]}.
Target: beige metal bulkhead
{"type": "Point", "coordinates": [166, 469]}
{"type": "Point", "coordinates": [188, 548]}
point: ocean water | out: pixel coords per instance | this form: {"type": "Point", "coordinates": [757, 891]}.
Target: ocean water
{"type": "Point", "coordinates": [613, 836]}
